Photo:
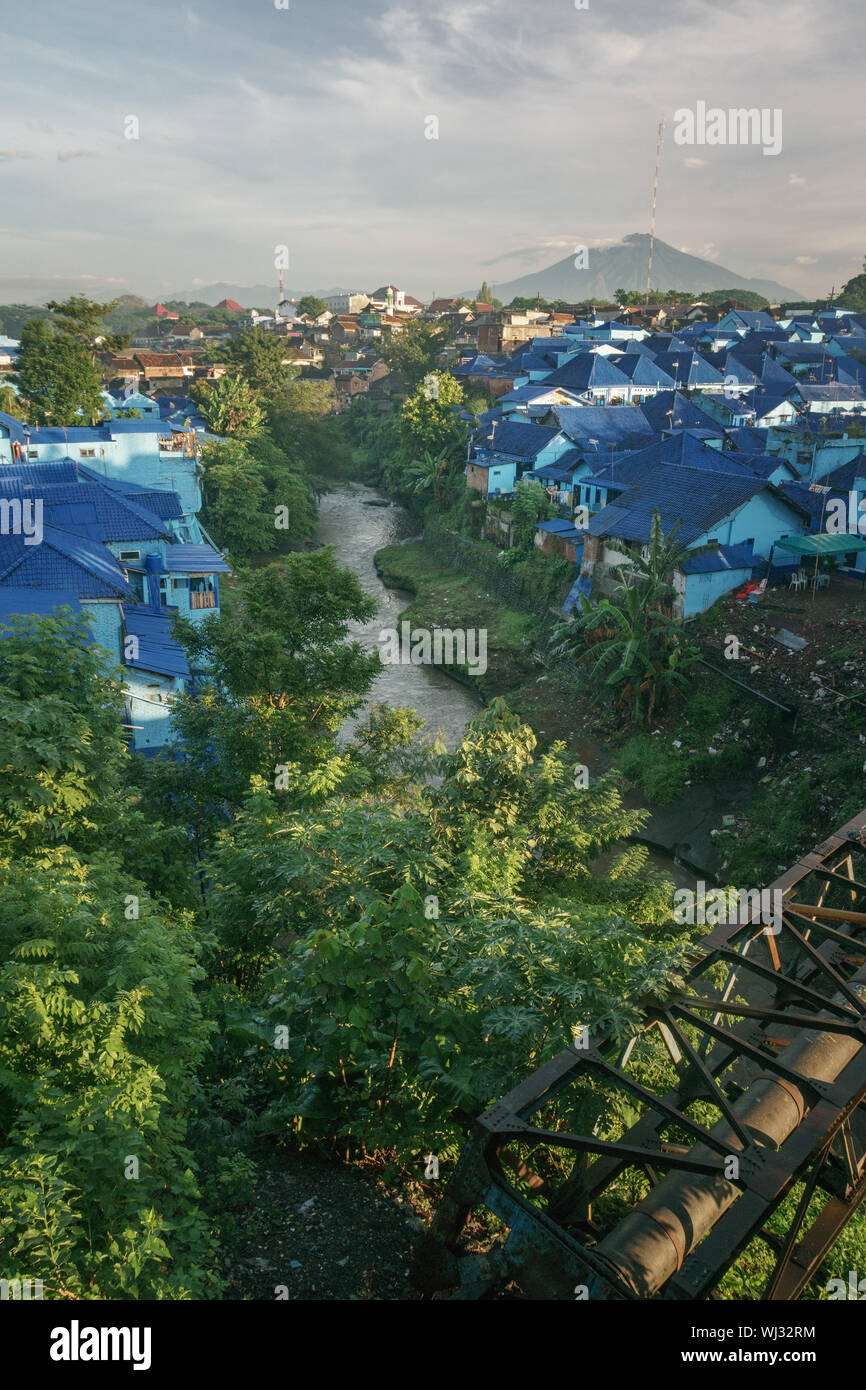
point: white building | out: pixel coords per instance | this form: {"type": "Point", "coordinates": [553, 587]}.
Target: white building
{"type": "Point", "coordinates": [346, 302]}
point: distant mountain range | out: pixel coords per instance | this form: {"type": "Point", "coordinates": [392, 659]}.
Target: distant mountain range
{"type": "Point", "coordinates": [610, 268]}
{"type": "Point", "coordinates": [625, 267]}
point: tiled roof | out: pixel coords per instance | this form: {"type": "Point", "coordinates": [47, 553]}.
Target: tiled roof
{"type": "Point", "coordinates": [88, 509]}
{"type": "Point", "coordinates": [586, 370]}
{"type": "Point", "coordinates": [63, 562]}
{"type": "Point", "coordinates": [697, 499]}
{"type": "Point", "coordinates": [625, 426]}
{"type": "Point", "coordinates": [17, 601]}
{"type": "Point", "coordinates": [516, 441]}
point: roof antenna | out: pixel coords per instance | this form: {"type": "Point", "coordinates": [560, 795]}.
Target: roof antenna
{"type": "Point", "coordinates": [649, 273]}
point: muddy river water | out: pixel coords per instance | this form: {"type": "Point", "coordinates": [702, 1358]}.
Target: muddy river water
{"type": "Point", "coordinates": [354, 522]}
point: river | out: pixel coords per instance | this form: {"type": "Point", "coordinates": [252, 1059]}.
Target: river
{"type": "Point", "coordinates": [357, 531]}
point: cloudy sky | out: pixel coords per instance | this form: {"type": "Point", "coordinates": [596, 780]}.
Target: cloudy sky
{"type": "Point", "coordinates": [306, 126]}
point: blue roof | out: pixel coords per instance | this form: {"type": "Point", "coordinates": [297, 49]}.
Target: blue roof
{"type": "Point", "coordinates": [749, 440]}
{"type": "Point", "coordinates": [643, 371]}
{"type": "Point", "coordinates": [682, 449]}
{"type": "Point", "coordinates": [169, 405]}
{"type": "Point", "coordinates": [67, 563]}
{"type": "Point", "coordinates": [671, 410]}
{"type": "Point", "coordinates": [723, 557]}
{"type": "Point", "coordinates": [157, 648]}
{"type": "Point", "coordinates": [87, 509]}
{"type": "Point", "coordinates": [562, 468]}
{"type": "Point", "coordinates": [812, 502]}
{"type": "Point", "coordinates": [17, 478]}
{"type": "Point", "coordinates": [697, 500]}
{"type": "Point", "coordinates": [163, 504]}
{"type": "Point", "coordinates": [203, 559]}
{"type": "Point", "coordinates": [844, 477]}
{"type": "Point", "coordinates": [624, 426]}
{"type": "Point", "coordinates": [75, 434]}
{"type": "Point", "coordinates": [559, 526]}
{"type": "Point", "coordinates": [689, 368]}
{"type": "Point", "coordinates": [519, 441]}
{"type": "Point", "coordinates": [41, 603]}
{"type": "Point", "coordinates": [586, 370]}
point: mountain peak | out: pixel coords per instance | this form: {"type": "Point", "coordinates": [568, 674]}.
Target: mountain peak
{"type": "Point", "coordinates": [624, 266]}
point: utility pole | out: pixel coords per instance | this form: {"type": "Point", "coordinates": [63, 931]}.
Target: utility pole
{"type": "Point", "coordinates": [653, 217]}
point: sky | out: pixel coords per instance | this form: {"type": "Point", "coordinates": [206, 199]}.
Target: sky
{"type": "Point", "coordinates": [304, 124]}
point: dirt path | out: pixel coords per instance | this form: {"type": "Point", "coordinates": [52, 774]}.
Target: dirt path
{"type": "Point", "coordinates": [316, 1230]}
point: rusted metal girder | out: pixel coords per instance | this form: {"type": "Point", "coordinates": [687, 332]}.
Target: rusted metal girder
{"type": "Point", "coordinates": [769, 1032]}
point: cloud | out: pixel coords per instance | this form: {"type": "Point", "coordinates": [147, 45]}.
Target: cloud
{"type": "Point", "coordinates": [17, 154]}
{"type": "Point", "coordinates": [796, 180]}
{"type": "Point", "coordinates": [65, 155]}
{"type": "Point", "coordinates": [805, 260]}
{"type": "Point", "coordinates": [708, 252]}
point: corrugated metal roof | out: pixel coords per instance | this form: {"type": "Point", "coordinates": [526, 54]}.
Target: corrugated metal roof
{"type": "Point", "coordinates": [195, 559]}
{"type": "Point", "coordinates": [157, 648]}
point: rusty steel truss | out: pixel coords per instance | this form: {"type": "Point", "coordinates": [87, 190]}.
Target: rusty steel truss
{"type": "Point", "coordinates": [767, 1034]}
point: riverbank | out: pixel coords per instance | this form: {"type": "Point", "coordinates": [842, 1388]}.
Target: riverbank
{"type": "Point", "coordinates": [733, 792]}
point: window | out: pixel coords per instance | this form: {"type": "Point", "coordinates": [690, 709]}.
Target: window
{"type": "Point", "coordinates": [136, 582]}
{"type": "Point", "coordinates": [130, 556]}
{"type": "Point", "coordinates": [33, 453]}
{"type": "Point", "coordinates": [87, 453]}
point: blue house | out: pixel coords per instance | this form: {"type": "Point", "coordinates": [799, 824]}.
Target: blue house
{"type": "Point", "coordinates": [722, 510]}
{"type": "Point", "coordinates": [505, 452]}
{"type": "Point", "coordinates": [116, 543]}
{"type": "Point", "coordinates": [150, 452]}
{"type": "Point", "coordinates": [593, 377]}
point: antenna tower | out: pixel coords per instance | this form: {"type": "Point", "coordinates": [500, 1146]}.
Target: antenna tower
{"type": "Point", "coordinates": [649, 273]}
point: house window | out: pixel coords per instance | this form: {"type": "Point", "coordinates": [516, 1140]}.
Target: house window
{"type": "Point", "coordinates": [201, 591]}
{"type": "Point", "coordinates": [136, 582]}
{"type": "Point", "coordinates": [87, 453]}
{"type": "Point", "coordinates": [33, 453]}
{"type": "Point", "coordinates": [132, 556]}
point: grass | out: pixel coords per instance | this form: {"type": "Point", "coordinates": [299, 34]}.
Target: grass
{"type": "Point", "coordinates": [444, 598]}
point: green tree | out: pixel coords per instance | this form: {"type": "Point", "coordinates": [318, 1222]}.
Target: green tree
{"type": "Point", "coordinates": [282, 678]}
{"type": "Point", "coordinates": [312, 306]}
{"type": "Point", "coordinates": [422, 951]}
{"type": "Point", "coordinates": [414, 350]}
{"type": "Point", "coordinates": [529, 505]}
{"type": "Point", "coordinates": [235, 500]}
{"type": "Point", "coordinates": [426, 474]}
{"type": "Point", "coordinates": [853, 294]}
{"type": "Point", "coordinates": [429, 421]}
{"type": "Point", "coordinates": [56, 377]}
{"type": "Point", "coordinates": [82, 319]}
{"type": "Point", "coordinates": [258, 357]}
{"type": "Point", "coordinates": [631, 645]}
{"type": "Point", "coordinates": [230, 406]}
